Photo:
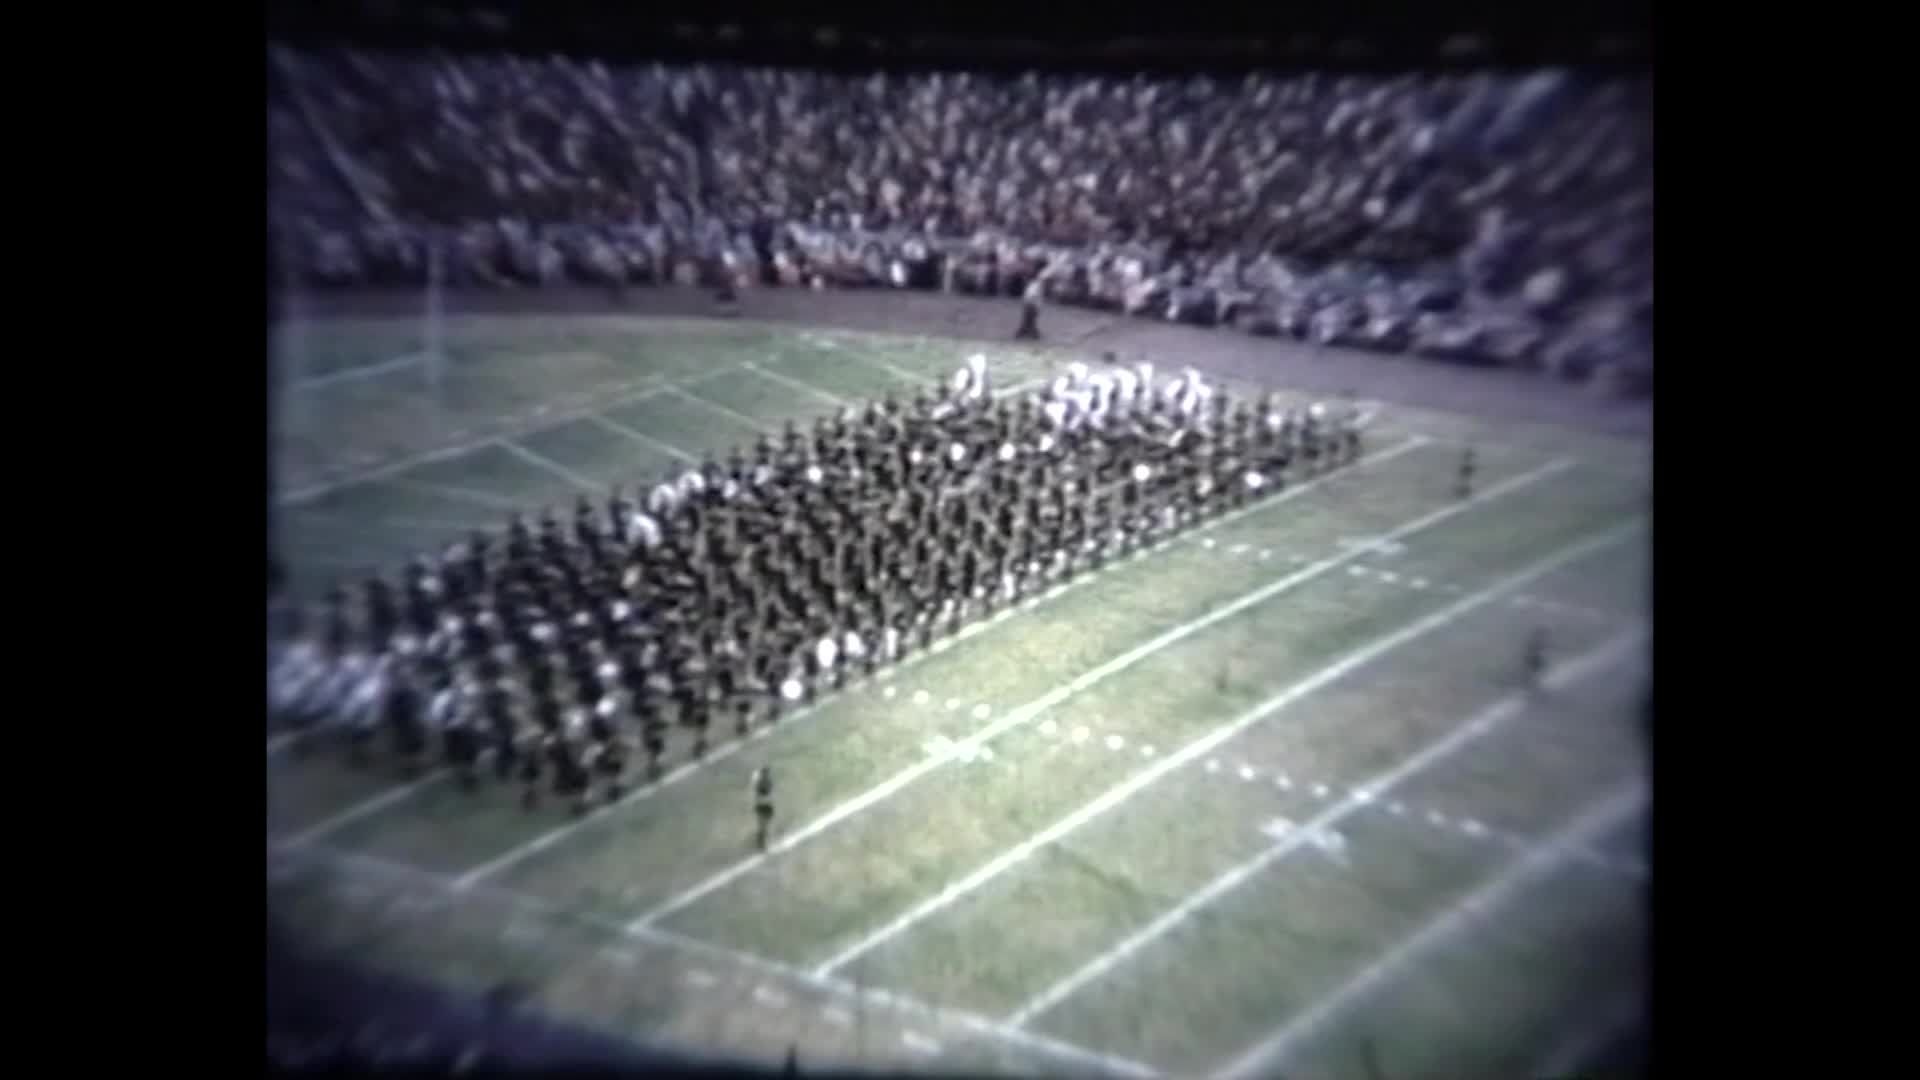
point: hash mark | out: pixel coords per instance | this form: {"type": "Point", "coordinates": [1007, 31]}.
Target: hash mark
{"type": "Point", "coordinates": [919, 1043]}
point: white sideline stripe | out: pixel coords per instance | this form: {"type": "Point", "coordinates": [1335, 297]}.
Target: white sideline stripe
{"type": "Point", "coordinates": [553, 836]}
{"type": "Point", "coordinates": [805, 388]}
{"type": "Point", "coordinates": [643, 438]}
{"type": "Point", "coordinates": [901, 1003]}
{"type": "Point", "coordinates": [1206, 744]}
{"type": "Point", "coordinates": [359, 810]}
{"type": "Point", "coordinates": [281, 741]}
{"type": "Point", "coordinates": [366, 371]}
{"type": "Point", "coordinates": [561, 832]}
{"type": "Point", "coordinates": [1267, 1055]}
{"type": "Point", "coordinates": [393, 468]}
{"type": "Point", "coordinates": [1595, 660]}
{"type": "Point", "coordinates": [479, 498]}
{"type": "Point", "coordinates": [550, 465]}
{"type": "Point", "coordinates": [1052, 698]}
{"type": "Point", "coordinates": [719, 408]}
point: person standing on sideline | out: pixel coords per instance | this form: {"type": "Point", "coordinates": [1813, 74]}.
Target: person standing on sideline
{"type": "Point", "coordinates": [762, 805]}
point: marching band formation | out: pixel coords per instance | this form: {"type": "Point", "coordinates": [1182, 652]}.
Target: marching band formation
{"type": "Point", "coordinates": [566, 659]}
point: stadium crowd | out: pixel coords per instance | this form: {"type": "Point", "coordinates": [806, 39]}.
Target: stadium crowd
{"type": "Point", "coordinates": [737, 591]}
{"type": "Point", "coordinates": [1482, 218]}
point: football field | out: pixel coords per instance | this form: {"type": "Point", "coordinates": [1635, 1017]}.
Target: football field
{"type": "Point", "coordinates": [1267, 800]}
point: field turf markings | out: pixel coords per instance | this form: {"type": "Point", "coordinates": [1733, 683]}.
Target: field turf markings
{"type": "Point", "coordinates": [1267, 1056]}
{"type": "Point", "coordinates": [580, 480]}
{"type": "Point", "coordinates": [738, 417]}
{"type": "Point", "coordinates": [796, 384]}
{"type": "Point", "coordinates": [372, 866]}
{"type": "Point", "coordinates": [1207, 743]}
{"type": "Point", "coordinates": [520, 424]}
{"type": "Point", "coordinates": [643, 439]}
{"type": "Point", "coordinates": [488, 499]}
{"type": "Point", "coordinates": [1362, 795]}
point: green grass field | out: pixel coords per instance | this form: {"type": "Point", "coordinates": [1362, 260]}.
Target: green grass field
{"type": "Point", "coordinates": [1267, 800]}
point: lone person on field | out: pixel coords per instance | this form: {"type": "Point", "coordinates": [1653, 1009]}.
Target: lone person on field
{"type": "Point", "coordinates": [1536, 658]}
{"type": "Point", "coordinates": [1029, 329]}
{"type": "Point", "coordinates": [762, 804]}
{"type": "Point", "coordinates": [1464, 488]}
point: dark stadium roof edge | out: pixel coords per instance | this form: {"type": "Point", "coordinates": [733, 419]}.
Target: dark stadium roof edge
{"type": "Point", "coordinates": [1395, 35]}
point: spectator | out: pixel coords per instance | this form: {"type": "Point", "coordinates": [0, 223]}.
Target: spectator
{"type": "Point", "coordinates": [1343, 207]}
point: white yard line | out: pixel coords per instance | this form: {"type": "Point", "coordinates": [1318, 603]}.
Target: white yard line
{"type": "Point", "coordinates": [805, 388]}
{"type": "Point", "coordinates": [721, 409]}
{"type": "Point", "coordinates": [1054, 697]}
{"type": "Point", "coordinates": [834, 346]}
{"type": "Point", "coordinates": [281, 741]}
{"type": "Point", "coordinates": [561, 832]}
{"type": "Point", "coordinates": [477, 874]}
{"type": "Point", "coordinates": [1267, 1057]}
{"type": "Point", "coordinates": [1598, 659]}
{"type": "Point", "coordinates": [487, 499]}
{"type": "Point", "coordinates": [528, 425]}
{"type": "Point", "coordinates": [644, 439]}
{"type": "Point", "coordinates": [1208, 743]}
{"type": "Point", "coordinates": [367, 371]}
{"type": "Point", "coordinates": [359, 810]}
{"type": "Point", "coordinates": [578, 479]}
{"type": "Point", "coordinates": [840, 988]}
